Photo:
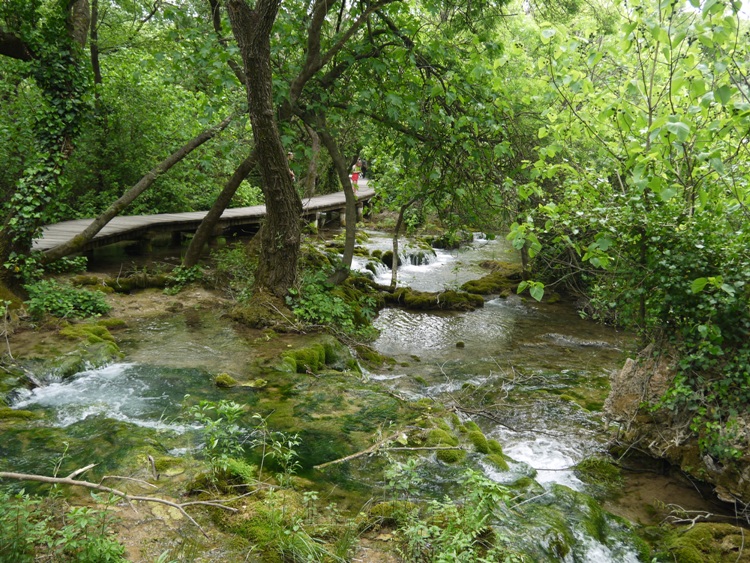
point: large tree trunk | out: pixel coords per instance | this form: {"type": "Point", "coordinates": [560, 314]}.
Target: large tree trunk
{"type": "Point", "coordinates": [206, 228]}
{"type": "Point", "coordinates": [58, 55]}
{"type": "Point", "coordinates": [77, 242]}
{"type": "Point", "coordinates": [280, 235]}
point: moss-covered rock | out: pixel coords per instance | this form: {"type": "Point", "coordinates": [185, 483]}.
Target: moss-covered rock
{"type": "Point", "coordinates": [437, 436]}
{"type": "Point", "coordinates": [496, 283]}
{"type": "Point", "coordinates": [91, 333]}
{"type": "Point", "coordinates": [225, 381]}
{"type": "Point", "coordinates": [444, 301]}
{"type": "Point", "coordinates": [112, 323]}
{"type": "Point", "coordinates": [452, 240]}
{"type": "Point", "coordinates": [498, 461]}
{"type": "Point", "coordinates": [479, 441]}
{"type": "Point", "coordinates": [472, 426]}
{"type": "Point", "coordinates": [369, 356]}
{"type": "Point", "coordinates": [264, 310]}
{"type": "Point", "coordinates": [96, 348]}
{"type": "Point", "coordinates": [708, 543]}
{"type": "Point", "coordinates": [123, 284]}
{"type": "Point", "coordinates": [451, 456]}
{"type": "Point", "coordinates": [495, 447]}
{"type": "Point", "coordinates": [7, 413]}
{"type": "Point", "coordinates": [387, 259]}
{"type": "Point", "coordinates": [601, 474]}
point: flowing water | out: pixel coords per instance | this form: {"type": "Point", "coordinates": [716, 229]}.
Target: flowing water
{"type": "Point", "coordinates": [532, 375]}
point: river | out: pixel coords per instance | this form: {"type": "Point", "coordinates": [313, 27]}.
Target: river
{"type": "Point", "coordinates": [532, 375]}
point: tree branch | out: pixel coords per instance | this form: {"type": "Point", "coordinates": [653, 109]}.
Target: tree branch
{"type": "Point", "coordinates": [77, 242]}
{"type": "Point", "coordinates": [125, 496]}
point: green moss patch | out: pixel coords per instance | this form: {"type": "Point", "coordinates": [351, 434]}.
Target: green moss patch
{"type": "Point", "coordinates": [225, 381]}
{"type": "Point", "coordinates": [603, 476]}
{"type": "Point", "coordinates": [451, 456]}
{"type": "Point", "coordinates": [479, 441]}
{"type": "Point", "coordinates": [708, 543]}
{"type": "Point", "coordinates": [91, 333]}
{"type": "Point", "coordinates": [437, 436]}
{"type": "Point", "coordinates": [7, 413]}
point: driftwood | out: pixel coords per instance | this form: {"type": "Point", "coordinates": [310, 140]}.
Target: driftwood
{"type": "Point", "coordinates": [379, 445]}
{"type": "Point", "coordinates": [369, 450]}
{"type": "Point", "coordinates": [72, 481]}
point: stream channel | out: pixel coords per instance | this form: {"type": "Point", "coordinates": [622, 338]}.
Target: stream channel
{"type": "Point", "coordinates": [534, 375]}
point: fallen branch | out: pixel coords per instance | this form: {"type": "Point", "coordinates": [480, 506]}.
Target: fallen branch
{"type": "Point", "coordinates": [422, 448]}
{"type": "Point", "coordinates": [369, 450]}
{"type": "Point", "coordinates": [98, 487]}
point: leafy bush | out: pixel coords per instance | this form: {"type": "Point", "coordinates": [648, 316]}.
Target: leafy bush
{"type": "Point", "coordinates": [318, 302]}
{"type": "Point", "coordinates": [67, 264]}
{"type": "Point", "coordinates": [234, 271]}
{"type": "Point", "coordinates": [451, 530]}
{"type": "Point", "coordinates": [48, 297]}
{"type": "Point", "coordinates": [180, 277]}
{"type": "Point", "coordinates": [31, 531]}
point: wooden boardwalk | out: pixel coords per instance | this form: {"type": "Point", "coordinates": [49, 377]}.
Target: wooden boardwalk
{"type": "Point", "coordinates": [139, 227]}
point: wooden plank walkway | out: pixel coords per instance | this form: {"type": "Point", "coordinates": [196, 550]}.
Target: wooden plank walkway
{"type": "Point", "coordinates": [135, 227]}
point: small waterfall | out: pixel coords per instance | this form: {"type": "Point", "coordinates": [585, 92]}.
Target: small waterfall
{"type": "Point", "coordinates": [417, 256]}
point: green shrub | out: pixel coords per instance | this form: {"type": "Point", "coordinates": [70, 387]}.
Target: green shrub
{"type": "Point", "coordinates": [318, 302]}
{"type": "Point", "coordinates": [180, 277]}
{"type": "Point", "coordinates": [48, 297]}
{"type": "Point", "coordinates": [67, 264]}
{"type": "Point", "coordinates": [30, 532]}
{"type": "Point", "coordinates": [234, 271]}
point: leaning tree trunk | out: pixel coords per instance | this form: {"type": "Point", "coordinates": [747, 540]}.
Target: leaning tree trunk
{"type": "Point", "coordinates": [77, 242]}
{"type": "Point", "coordinates": [312, 168]}
{"type": "Point", "coordinates": [207, 226]}
{"type": "Point", "coordinates": [351, 204]}
{"type": "Point", "coordinates": [394, 266]}
{"type": "Point", "coordinates": [280, 235]}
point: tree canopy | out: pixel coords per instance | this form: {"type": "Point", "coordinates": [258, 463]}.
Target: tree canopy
{"type": "Point", "coordinates": [610, 140]}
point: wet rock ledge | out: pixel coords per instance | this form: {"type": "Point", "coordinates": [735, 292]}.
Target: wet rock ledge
{"type": "Point", "coordinates": [633, 404]}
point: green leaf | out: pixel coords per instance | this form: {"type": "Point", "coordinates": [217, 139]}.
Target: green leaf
{"type": "Point", "coordinates": [717, 165]}
{"type": "Point", "coordinates": [667, 193]}
{"type": "Point", "coordinates": [726, 288]}
{"type": "Point", "coordinates": [547, 34]}
{"type": "Point", "coordinates": [698, 285]}
{"type": "Point", "coordinates": [723, 94]}
{"type": "Point", "coordinates": [679, 129]}
{"type": "Point", "coordinates": [537, 291]}
{"type": "Point", "coordinates": [604, 243]}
